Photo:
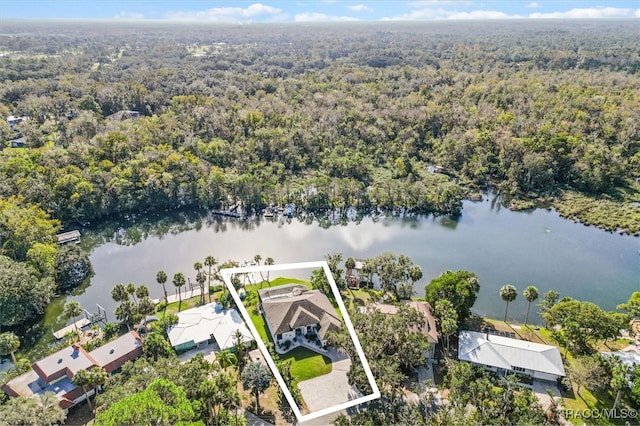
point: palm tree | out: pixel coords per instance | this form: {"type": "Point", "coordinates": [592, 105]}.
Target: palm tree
{"type": "Point", "coordinates": [9, 344]}
{"type": "Point", "coordinates": [179, 281]}
{"type": "Point", "coordinates": [161, 278]}
{"type": "Point", "coordinates": [73, 310]}
{"type": "Point", "coordinates": [201, 278]}
{"type": "Point", "coordinates": [131, 290]}
{"type": "Point", "coordinates": [119, 293]}
{"type": "Point", "coordinates": [531, 294]}
{"type": "Point", "coordinates": [268, 261]}
{"type": "Point", "coordinates": [142, 291]}
{"type": "Point", "coordinates": [508, 293]}
{"type": "Point", "coordinates": [257, 258]}
{"type": "Point", "coordinates": [209, 261]}
{"type": "Point", "coordinates": [90, 378]}
{"type": "Point", "coordinates": [226, 358]}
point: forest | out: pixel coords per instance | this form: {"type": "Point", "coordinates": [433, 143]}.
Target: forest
{"type": "Point", "coordinates": [109, 119]}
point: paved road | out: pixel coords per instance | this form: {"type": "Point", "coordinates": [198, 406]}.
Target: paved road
{"type": "Point", "coordinates": [331, 389]}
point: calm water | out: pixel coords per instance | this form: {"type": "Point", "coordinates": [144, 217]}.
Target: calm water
{"type": "Point", "coordinates": [502, 247]}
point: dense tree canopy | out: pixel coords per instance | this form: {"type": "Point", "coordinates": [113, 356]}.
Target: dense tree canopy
{"type": "Point", "coordinates": [460, 288]}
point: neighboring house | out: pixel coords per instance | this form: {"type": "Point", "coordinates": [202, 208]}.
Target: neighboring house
{"type": "Point", "coordinates": [355, 277]}
{"type": "Point", "coordinates": [18, 143]}
{"type": "Point", "coordinates": [13, 121]}
{"type": "Point", "coordinates": [55, 372]}
{"type": "Point", "coordinates": [208, 324]}
{"type": "Point", "coordinates": [429, 327]}
{"type": "Point", "coordinates": [293, 310]}
{"type": "Point", "coordinates": [123, 115]}
{"type": "Point", "coordinates": [506, 355]}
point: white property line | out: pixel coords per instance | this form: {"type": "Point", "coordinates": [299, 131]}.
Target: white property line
{"type": "Point", "coordinates": [226, 275]}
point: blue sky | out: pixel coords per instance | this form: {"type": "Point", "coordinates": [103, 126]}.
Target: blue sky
{"type": "Point", "coordinates": [319, 10]}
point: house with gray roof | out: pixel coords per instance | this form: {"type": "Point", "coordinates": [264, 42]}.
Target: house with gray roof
{"type": "Point", "coordinates": [55, 372]}
{"type": "Point", "coordinates": [293, 310]}
{"type": "Point", "coordinates": [506, 355]}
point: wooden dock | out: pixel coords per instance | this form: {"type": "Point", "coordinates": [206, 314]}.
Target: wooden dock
{"type": "Point", "coordinates": [71, 328]}
{"type": "Point", "coordinates": [69, 237]}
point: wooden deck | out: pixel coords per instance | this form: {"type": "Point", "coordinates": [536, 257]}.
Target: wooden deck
{"type": "Point", "coordinates": [70, 328]}
{"type": "Point", "coordinates": [69, 237]}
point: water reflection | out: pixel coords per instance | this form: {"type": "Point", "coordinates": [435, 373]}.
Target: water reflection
{"type": "Point", "coordinates": [501, 246]}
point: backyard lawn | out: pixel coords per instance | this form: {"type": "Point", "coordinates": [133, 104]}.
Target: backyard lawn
{"type": "Point", "coordinates": [307, 364]}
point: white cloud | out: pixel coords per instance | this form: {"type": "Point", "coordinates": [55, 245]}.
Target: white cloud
{"type": "Point", "coordinates": [431, 3]}
{"type": "Point", "coordinates": [481, 14]}
{"type": "Point", "coordinates": [533, 5]}
{"type": "Point", "coordinates": [128, 15]}
{"type": "Point", "coordinates": [226, 14]}
{"type": "Point", "coordinates": [360, 8]}
{"type": "Point", "coordinates": [429, 13]}
{"type": "Point", "coordinates": [321, 17]}
{"type": "Point", "coordinates": [588, 13]}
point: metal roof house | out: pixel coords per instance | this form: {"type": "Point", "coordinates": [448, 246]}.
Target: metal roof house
{"type": "Point", "coordinates": [506, 355]}
{"type": "Point", "coordinates": [207, 324]}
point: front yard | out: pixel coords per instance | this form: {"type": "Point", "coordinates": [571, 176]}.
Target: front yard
{"type": "Point", "coordinates": [307, 364]}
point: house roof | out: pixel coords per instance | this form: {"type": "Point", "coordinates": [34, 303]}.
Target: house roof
{"type": "Point", "coordinates": [199, 324]}
{"type": "Point", "coordinates": [429, 329]}
{"type": "Point", "coordinates": [308, 308]}
{"type": "Point", "coordinates": [66, 361]}
{"type": "Point", "coordinates": [114, 354]}
{"type": "Point", "coordinates": [286, 290]}
{"type": "Point", "coordinates": [506, 353]}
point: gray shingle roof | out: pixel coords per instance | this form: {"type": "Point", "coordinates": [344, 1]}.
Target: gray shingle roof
{"type": "Point", "coordinates": [311, 307]}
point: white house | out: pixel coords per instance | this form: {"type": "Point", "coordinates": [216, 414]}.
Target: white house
{"type": "Point", "coordinates": [205, 325]}
{"type": "Point", "coordinates": [293, 310]}
{"type": "Point", "coordinates": [506, 355]}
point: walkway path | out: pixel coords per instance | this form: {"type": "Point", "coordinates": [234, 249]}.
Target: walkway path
{"type": "Point", "coordinates": [330, 389]}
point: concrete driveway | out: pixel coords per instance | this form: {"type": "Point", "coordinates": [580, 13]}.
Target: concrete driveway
{"type": "Point", "coordinates": [331, 389]}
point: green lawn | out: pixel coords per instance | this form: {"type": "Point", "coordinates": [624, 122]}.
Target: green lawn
{"type": "Point", "coordinates": [307, 364]}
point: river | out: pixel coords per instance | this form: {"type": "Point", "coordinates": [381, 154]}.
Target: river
{"type": "Point", "coordinates": [501, 246]}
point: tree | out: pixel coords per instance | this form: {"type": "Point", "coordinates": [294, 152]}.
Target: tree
{"type": "Point", "coordinates": [220, 395]}
{"type": "Point", "coordinates": [40, 409]}
{"type": "Point", "coordinates": [73, 310]}
{"type": "Point", "coordinates": [179, 281]}
{"type": "Point", "coordinates": [89, 379]}
{"type": "Point", "coordinates": [460, 287]}
{"type": "Point", "coordinates": [22, 295]}
{"type": "Point", "coordinates": [508, 293]}
{"type": "Point", "coordinates": [130, 288]}
{"type": "Point", "coordinates": [201, 278]}
{"type": "Point", "coordinates": [633, 305]}
{"type": "Point", "coordinates": [584, 323]}
{"type": "Point", "coordinates": [446, 317]}
{"type": "Point", "coordinates": [268, 261]}
{"type": "Point", "coordinates": [156, 346]}
{"type": "Point", "coordinates": [161, 278]}
{"type": "Point", "coordinates": [350, 263]}
{"type": "Point", "coordinates": [119, 293]}
{"type": "Point", "coordinates": [9, 344]}
{"type": "Point", "coordinates": [618, 381]}
{"type": "Point", "coordinates": [549, 299]}
{"type": "Point", "coordinates": [257, 378]}
{"type": "Point", "coordinates": [210, 261]}
{"type": "Point", "coordinates": [226, 358]}
{"type": "Point", "coordinates": [530, 294]}
{"type": "Point", "coordinates": [587, 371]}
{"type": "Point", "coordinates": [161, 403]}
